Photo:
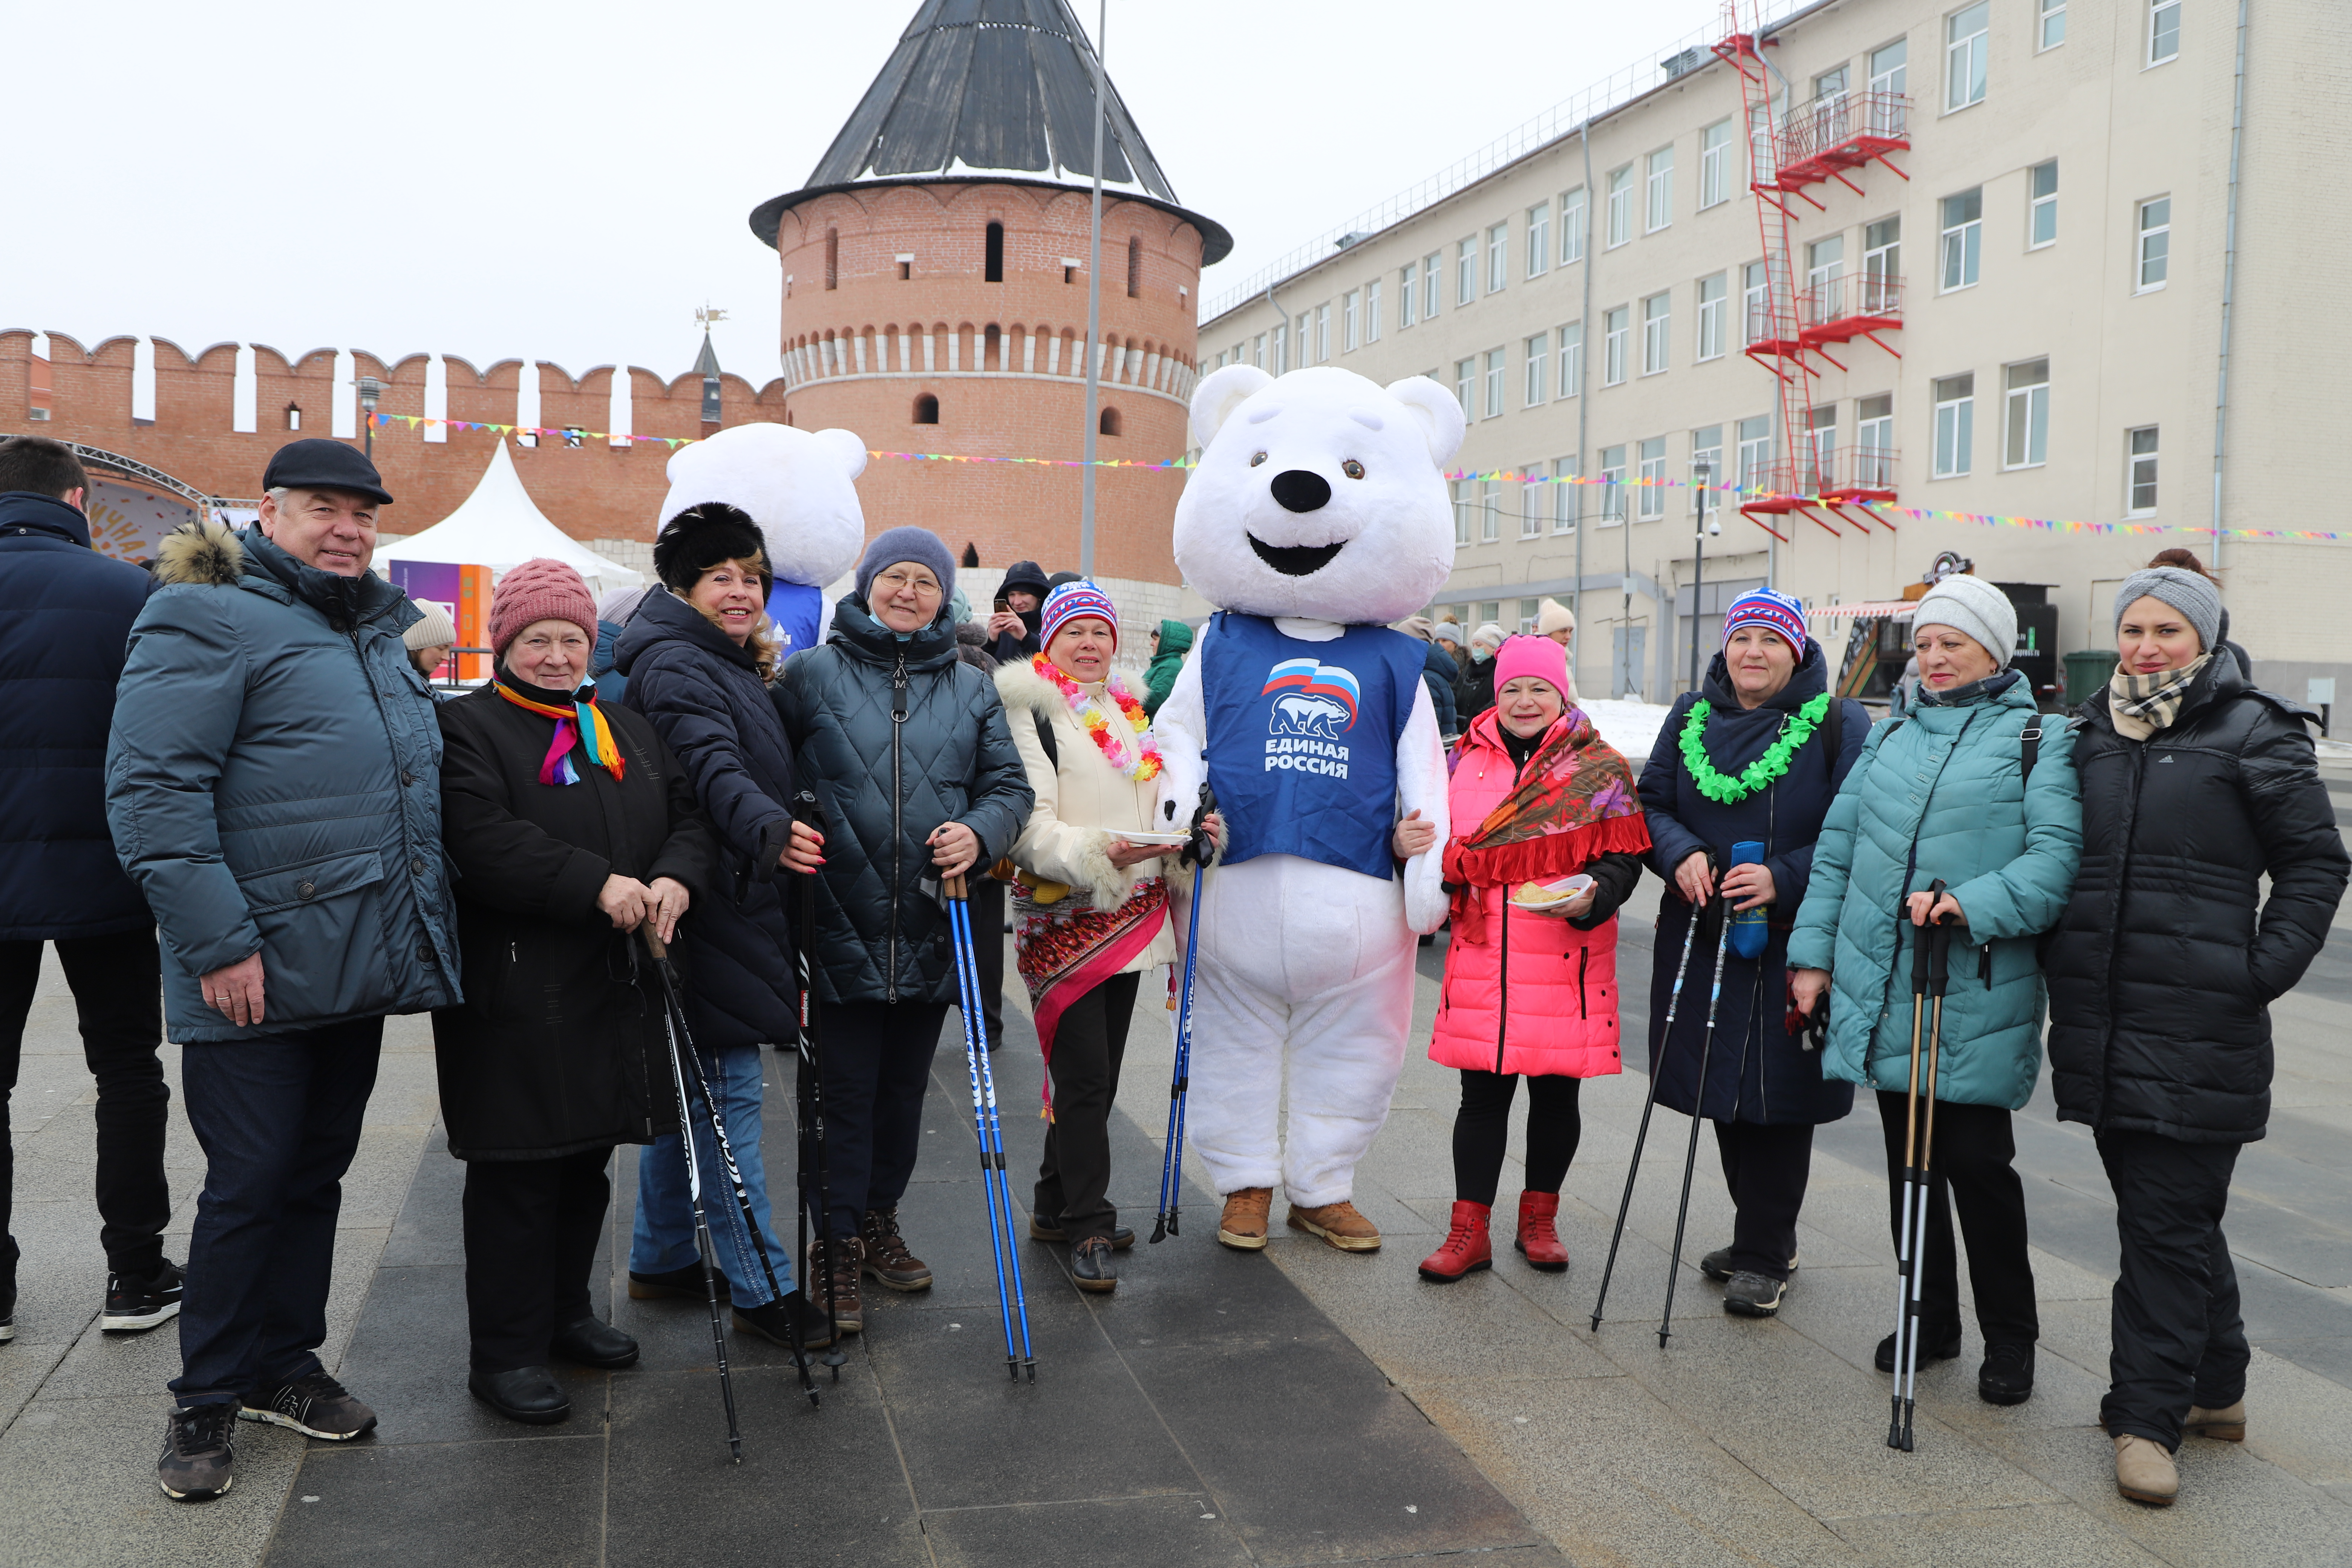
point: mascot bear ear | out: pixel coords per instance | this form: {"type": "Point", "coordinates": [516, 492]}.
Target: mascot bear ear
{"type": "Point", "coordinates": [1214, 400]}
{"type": "Point", "coordinates": [851, 449]}
{"type": "Point", "coordinates": [1439, 411]}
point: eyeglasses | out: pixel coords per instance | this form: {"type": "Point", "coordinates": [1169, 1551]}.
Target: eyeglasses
{"type": "Point", "coordinates": [896, 582]}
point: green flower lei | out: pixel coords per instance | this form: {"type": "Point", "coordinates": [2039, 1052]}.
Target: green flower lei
{"type": "Point", "coordinates": [1724, 791]}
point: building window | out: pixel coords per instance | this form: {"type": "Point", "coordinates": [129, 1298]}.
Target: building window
{"type": "Point", "coordinates": [2163, 31]}
{"type": "Point", "coordinates": [1372, 312]}
{"type": "Point", "coordinates": [1829, 84]}
{"type": "Point", "coordinates": [1874, 442]}
{"type": "Point", "coordinates": [1613, 485]}
{"type": "Point", "coordinates": [1490, 517]}
{"type": "Point", "coordinates": [2140, 477]}
{"type": "Point", "coordinates": [1497, 362]}
{"type": "Point", "coordinates": [1964, 56]}
{"type": "Point", "coordinates": [991, 258]}
{"type": "Point", "coordinates": [1110, 422]}
{"type": "Point", "coordinates": [1498, 257]}
{"type": "Point", "coordinates": [1824, 265]}
{"type": "Point", "coordinates": [1621, 207]}
{"type": "Point", "coordinates": [1710, 316]}
{"type": "Point", "coordinates": [1281, 336]}
{"type": "Point", "coordinates": [1820, 437]}
{"type": "Point", "coordinates": [1616, 328]}
{"type": "Point", "coordinates": [1348, 303]}
{"type": "Point", "coordinates": [2155, 242]}
{"type": "Point", "coordinates": [2028, 443]}
{"type": "Point", "coordinates": [293, 415]}
{"type": "Point", "coordinates": [1956, 418]}
{"type": "Point", "coordinates": [1652, 476]}
{"type": "Point", "coordinates": [1531, 522]}
{"type": "Point", "coordinates": [1755, 303]}
{"type": "Point", "coordinates": [1465, 386]}
{"type": "Point", "coordinates": [1890, 112]}
{"type": "Point", "coordinates": [1408, 296]}
{"type": "Point", "coordinates": [1538, 238]}
{"type": "Point", "coordinates": [1882, 267]}
{"type": "Point", "coordinates": [1755, 454]}
{"type": "Point", "coordinates": [1963, 239]}
{"type": "Point", "coordinates": [1763, 149]}
{"type": "Point", "coordinates": [1461, 488]}
{"type": "Point", "coordinates": [1466, 271]}
{"type": "Point", "coordinates": [1134, 267]}
{"type": "Point", "coordinates": [1571, 359]}
{"type": "Point", "coordinates": [1706, 464]}
{"type": "Point", "coordinates": [1655, 314]}
{"type": "Point", "coordinates": [1322, 332]}
{"type": "Point", "coordinates": [1658, 208]}
{"type": "Point", "coordinates": [2042, 212]}
{"type": "Point", "coordinates": [1572, 226]}
{"type": "Point", "coordinates": [833, 259]}
{"type": "Point", "coordinates": [1538, 363]}
{"type": "Point", "coordinates": [2053, 24]}
{"type": "Point", "coordinates": [1715, 164]}
{"type": "Point", "coordinates": [1566, 497]}
{"type": "Point", "coordinates": [1430, 274]}
{"type": "Point", "coordinates": [927, 409]}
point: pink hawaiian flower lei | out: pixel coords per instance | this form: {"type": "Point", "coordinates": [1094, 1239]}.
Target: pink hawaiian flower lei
{"type": "Point", "coordinates": [1142, 761]}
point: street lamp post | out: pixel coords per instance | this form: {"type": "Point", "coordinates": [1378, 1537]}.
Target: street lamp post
{"type": "Point", "coordinates": [369, 390]}
{"type": "Point", "coordinates": [1701, 472]}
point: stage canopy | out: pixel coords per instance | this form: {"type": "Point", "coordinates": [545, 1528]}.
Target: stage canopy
{"type": "Point", "coordinates": [500, 527]}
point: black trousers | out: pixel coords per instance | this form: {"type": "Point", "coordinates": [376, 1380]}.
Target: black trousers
{"type": "Point", "coordinates": [1089, 1043]}
{"type": "Point", "coordinates": [877, 1065]}
{"type": "Point", "coordinates": [531, 1230]}
{"type": "Point", "coordinates": [987, 898]}
{"type": "Point", "coordinates": [1766, 1169]}
{"type": "Point", "coordinates": [118, 1000]}
{"type": "Point", "coordinates": [2176, 1334]}
{"type": "Point", "coordinates": [1971, 1162]}
{"type": "Point", "coordinates": [1483, 1126]}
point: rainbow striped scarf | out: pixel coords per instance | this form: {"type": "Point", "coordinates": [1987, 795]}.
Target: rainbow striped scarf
{"type": "Point", "coordinates": [584, 721]}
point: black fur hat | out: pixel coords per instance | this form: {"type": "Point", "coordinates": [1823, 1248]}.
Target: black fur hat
{"type": "Point", "coordinates": [701, 537]}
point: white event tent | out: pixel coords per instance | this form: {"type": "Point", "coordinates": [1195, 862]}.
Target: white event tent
{"type": "Point", "coordinates": [498, 526]}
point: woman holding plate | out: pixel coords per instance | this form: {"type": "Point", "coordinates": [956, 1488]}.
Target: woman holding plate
{"type": "Point", "coordinates": [1090, 909]}
{"type": "Point", "coordinates": [1548, 840]}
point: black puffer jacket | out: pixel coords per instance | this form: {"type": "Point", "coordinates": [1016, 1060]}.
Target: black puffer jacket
{"type": "Point", "coordinates": [705, 697]}
{"type": "Point", "coordinates": [559, 1045]}
{"type": "Point", "coordinates": [2161, 974]}
{"type": "Point", "coordinates": [886, 784]}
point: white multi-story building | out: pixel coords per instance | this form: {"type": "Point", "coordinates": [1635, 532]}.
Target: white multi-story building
{"type": "Point", "coordinates": [2073, 261]}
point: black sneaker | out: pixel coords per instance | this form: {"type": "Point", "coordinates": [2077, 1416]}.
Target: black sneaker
{"type": "Point", "coordinates": [7, 1324]}
{"type": "Point", "coordinates": [1935, 1345]}
{"type": "Point", "coordinates": [1752, 1295]}
{"type": "Point", "coordinates": [1042, 1227]}
{"type": "Point", "coordinates": [2007, 1375]}
{"type": "Point", "coordinates": [1090, 1266]}
{"type": "Point", "coordinates": [133, 1306]}
{"type": "Point", "coordinates": [1717, 1265]}
{"type": "Point", "coordinates": [685, 1283]}
{"type": "Point", "coordinates": [314, 1404]}
{"type": "Point", "coordinates": [775, 1320]}
{"type": "Point", "coordinates": [199, 1461]}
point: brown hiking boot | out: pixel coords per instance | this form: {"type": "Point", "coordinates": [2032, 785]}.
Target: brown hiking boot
{"type": "Point", "coordinates": [1243, 1225]}
{"type": "Point", "coordinates": [1338, 1224]}
{"type": "Point", "coordinates": [841, 1257]}
{"type": "Point", "coordinates": [2145, 1472]}
{"type": "Point", "coordinates": [887, 1260]}
{"type": "Point", "coordinates": [2227, 1425]}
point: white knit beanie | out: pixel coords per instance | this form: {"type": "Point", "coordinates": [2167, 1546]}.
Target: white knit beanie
{"type": "Point", "coordinates": [1974, 608]}
{"type": "Point", "coordinates": [434, 631]}
{"type": "Point", "coordinates": [1551, 615]}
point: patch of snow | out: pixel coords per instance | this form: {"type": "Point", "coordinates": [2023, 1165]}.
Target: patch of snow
{"type": "Point", "coordinates": [1631, 727]}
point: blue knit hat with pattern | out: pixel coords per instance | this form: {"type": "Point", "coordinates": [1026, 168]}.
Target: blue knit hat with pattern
{"type": "Point", "coordinates": [1070, 601]}
{"type": "Point", "coordinates": [1768, 607]}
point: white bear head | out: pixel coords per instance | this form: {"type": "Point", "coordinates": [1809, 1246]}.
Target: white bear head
{"type": "Point", "coordinates": [1321, 494]}
{"type": "Point", "coordinates": [796, 484]}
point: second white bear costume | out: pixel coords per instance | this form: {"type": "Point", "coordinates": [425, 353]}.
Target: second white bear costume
{"type": "Point", "coordinates": [799, 486]}
{"type": "Point", "coordinates": [1318, 514]}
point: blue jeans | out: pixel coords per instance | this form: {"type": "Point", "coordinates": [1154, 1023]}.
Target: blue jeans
{"type": "Point", "coordinates": [278, 1117]}
{"type": "Point", "coordinates": [663, 1236]}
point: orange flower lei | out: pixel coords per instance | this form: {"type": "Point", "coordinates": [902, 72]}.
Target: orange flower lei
{"type": "Point", "coordinates": [1142, 762]}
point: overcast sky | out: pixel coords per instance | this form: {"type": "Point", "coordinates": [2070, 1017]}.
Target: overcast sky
{"type": "Point", "coordinates": [497, 180]}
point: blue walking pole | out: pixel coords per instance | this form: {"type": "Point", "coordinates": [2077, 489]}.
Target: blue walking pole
{"type": "Point", "coordinates": [1171, 1157]}
{"type": "Point", "coordinates": [996, 1184]}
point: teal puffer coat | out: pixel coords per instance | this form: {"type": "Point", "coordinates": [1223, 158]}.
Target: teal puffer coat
{"type": "Point", "coordinates": [1938, 795]}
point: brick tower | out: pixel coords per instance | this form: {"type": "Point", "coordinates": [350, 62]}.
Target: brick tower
{"type": "Point", "coordinates": [935, 297]}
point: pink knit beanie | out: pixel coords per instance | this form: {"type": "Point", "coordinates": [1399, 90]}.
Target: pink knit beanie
{"type": "Point", "coordinates": [541, 589]}
{"type": "Point", "coordinates": [1539, 657]}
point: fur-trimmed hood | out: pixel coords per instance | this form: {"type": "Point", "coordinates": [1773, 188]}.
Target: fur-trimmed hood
{"type": "Point", "coordinates": [1021, 687]}
{"type": "Point", "coordinates": [207, 554]}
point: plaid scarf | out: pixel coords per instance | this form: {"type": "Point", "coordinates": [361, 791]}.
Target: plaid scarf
{"type": "Point", "coordinates": [2140, 705]}
{"type": "Point", "coordinates": [1574, 802]}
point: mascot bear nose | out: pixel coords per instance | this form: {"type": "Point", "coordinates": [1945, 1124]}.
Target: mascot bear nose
{"type": "Point", "coordinates": [1301, 489]}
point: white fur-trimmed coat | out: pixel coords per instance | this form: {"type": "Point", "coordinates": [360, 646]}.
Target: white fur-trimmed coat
{"type": "Point", "coordinates": [1083, 804]}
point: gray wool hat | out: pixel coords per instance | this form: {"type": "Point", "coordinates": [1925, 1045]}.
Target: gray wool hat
{"type": "Point", "coordinates": [1974, 608]}
{"type": "Point", "coordinates": [919, 545]}
{"type": "Point", "coordinates": [2193, 594]}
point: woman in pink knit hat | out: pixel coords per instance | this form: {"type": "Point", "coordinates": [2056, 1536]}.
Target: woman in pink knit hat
{"type": "Point", "coordinates": [1537, 797]}
{"type": "Point", "coordinates": [572, 828]}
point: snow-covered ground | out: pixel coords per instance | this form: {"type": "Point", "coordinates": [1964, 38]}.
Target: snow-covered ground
{"type": "Point", "coordinates": [1631, 727]}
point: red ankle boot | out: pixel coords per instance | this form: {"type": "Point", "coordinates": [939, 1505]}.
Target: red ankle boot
{"type": "Point", "coordinates": [1539, 1238]}
{"type": "Point", "coordinates": [1467, 1248]}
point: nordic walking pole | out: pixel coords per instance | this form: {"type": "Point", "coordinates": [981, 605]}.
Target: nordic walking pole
{"type": "Point", "coordinates": [808, 1097]}
{"type": "Point", "coordinates": [683, 1036]}
{"type": "Point", "coordinates": [1906, 1254]}
{"type": "Point", "coordinates": [995, 1183]}
{"type": "Point", "coordinates": [1673, 1001]}
{"type": "Point", "coordinates": [1171, 1157]}
{"type": "Point", "coordinates": [1939, 945]}
{"type": "Point", "coordinates": [702, 1242]}
{"type": "Point", "coordinates": [1698, 1104]}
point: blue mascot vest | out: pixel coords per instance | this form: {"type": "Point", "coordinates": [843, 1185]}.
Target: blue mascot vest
{"type": "Point", "coordinates": [795, 608]}
{"type": "Point", "coordinates": [1303, 738]}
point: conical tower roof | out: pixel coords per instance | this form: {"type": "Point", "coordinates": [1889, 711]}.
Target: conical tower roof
{"type": "Point", "coordinates": [991, 90]}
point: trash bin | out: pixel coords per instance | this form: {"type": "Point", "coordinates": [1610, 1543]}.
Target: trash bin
{"type": "Point", "coordinates": [2087, 669]}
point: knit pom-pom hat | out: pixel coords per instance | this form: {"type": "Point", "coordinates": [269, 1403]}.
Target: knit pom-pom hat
{"type": "Point", "coordinates": [1069, 602]}
{"type": "Point", "coordinates": [702, 537]}
{"type": "Point", "coordinates": [541, 589]}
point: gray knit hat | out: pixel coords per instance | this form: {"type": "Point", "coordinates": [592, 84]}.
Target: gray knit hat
{"type": "Point", "coordinates": [1974, 608]}
{"type": "Point", "coordinates": [2192, 593]}
{"type": "Point", "coordinates": [919, 545]}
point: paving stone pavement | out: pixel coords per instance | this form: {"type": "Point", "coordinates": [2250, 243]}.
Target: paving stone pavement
{"type": "Point", "coordinates": [1302, 1406]}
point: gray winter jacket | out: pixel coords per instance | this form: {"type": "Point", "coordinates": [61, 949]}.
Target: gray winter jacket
{"type": "Point", "coordinates": [273, 786]}
{"type": "Point", "coordinates": [885, 784]}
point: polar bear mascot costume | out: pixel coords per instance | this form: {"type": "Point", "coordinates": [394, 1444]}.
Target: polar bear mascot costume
{"type": "Point", "coordinates": [1318, 514]}
{"type": "Point", "coordinates": [799, 487]}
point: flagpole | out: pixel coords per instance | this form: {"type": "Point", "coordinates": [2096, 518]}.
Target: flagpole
{"type": "Point", "coordinates": [1093, 320]}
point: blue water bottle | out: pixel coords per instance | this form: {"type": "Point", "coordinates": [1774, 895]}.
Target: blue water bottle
{"type": "Point", "coordinates": [1750, 929]}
